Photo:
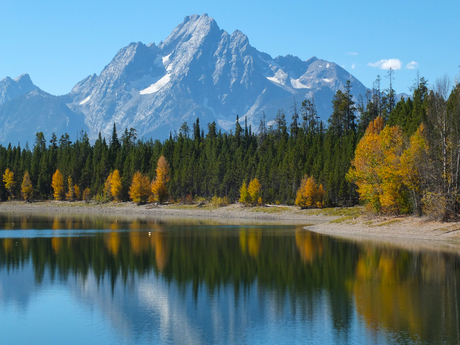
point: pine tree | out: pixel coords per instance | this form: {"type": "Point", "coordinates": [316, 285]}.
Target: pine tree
{"type": "Point", "coordinates": [295, 120]}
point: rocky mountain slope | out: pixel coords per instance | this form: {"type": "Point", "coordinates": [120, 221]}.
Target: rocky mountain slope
{"type": "Point", "coordinates": [199, 71]}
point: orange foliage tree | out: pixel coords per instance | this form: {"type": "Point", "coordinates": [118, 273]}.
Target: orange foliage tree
{"type": "Point", "coordinates": [26, 187]}
{"type": "Point", "coordinates": [57, 183]}
{"type": "Point", "coordinates": [383, 170]}
{"type": "Point", "coordinates": [309, 193]}
{"type": "Point", "coordinates": [70, 195]}
{"type": "Point", "coordinates": [86, 194]}
{"type": "Point", "coordinates": [77, 192]}
{"type": "Point", "coordinates": [8, 178]}
{"type": "Point", "coordinates": [159, 185]}
{"type": "Point", "coordinates": [139, 191]}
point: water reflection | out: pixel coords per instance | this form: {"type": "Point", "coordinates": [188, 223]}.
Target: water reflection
{"type": "Point", "coordinates": [190, 283]}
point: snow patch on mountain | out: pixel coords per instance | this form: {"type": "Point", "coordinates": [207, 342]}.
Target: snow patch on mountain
{"type": "Point", "coordinates": [296, 84]}
{"type": "Point", "coordinates": [156, 86]}
{"type": "Point", "coordinates": [86, 100]}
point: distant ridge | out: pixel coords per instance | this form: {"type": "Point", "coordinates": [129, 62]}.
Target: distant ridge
{"type": "Point", "coordinates": [199, 71]}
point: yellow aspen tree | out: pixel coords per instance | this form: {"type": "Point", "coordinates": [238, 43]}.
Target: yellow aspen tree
{"type": "Point", "coordinates": [412, 161]}
{"type": "Point", "coordinates": [380, 171]}
{"type": "Point", "coordinates": [86, 194]}
{"type": "Point", "coordinates": [365, 165]}
{"type": "Point", "coordinates": [254, 190]}
{"type": "Point", "coordinates": [77, 192]}
{"type": "Point", "coordinates": [115, 185]}
{"type": "Point", "coordinates": [393, 197]}
{"type": "Point", "coordinates": [108, 187]}
{"type": "Point", "coordinates": [8, 178]}
{"type": "Point", "coordinates": [57, 183]}
{"type": "Point", "coordinates": [245, 198]}
{"type": "Point", "coordinates": [309, 194]}
{"type": "Point", "coordinates": [159, 185]}
{"type": "Point", "coordinates": [70, 195]}
{"type": "Point", "coordinates": [139, 191]}
{"type": "Point", "coordinates": [320, 196]}
{"type": "Point", "coordinates": [26, 187]}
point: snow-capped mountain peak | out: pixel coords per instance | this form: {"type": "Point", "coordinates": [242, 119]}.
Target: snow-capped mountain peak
{"type": "Point", "coordinates": [199, 71]}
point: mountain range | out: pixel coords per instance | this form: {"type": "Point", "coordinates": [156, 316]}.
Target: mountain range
{"type": "Point", "coordinates": [199, 71]}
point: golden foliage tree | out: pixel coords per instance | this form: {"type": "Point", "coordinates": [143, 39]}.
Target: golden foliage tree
{"type": "Point", "coordinates": [77, 192]}
{"type": "Point", "coordinates": [26, 187]}
{"type": "Point", "coordinates": [384, 171]}
{"type": "Point", "coordinates": [254, 190]}
{"type": "Point", "coordinates": [159, 184]}
{"type": "Point", "coordinates": [57, 183]}
{"type": "Point", "coordinates": [245, 198]}
{"type": "Point", "coordinates": [115, 185]}
{"type": "Point", "coordinates": [309, 193]}
{"type": "Point", "coordinates": [139, 191]}
{"type": "Point", "coordinates": [86, 194]}
{"type": "Point", "coordinates": [70, 195]}
{"type": "Point", "coordinates": [8, 178]}
{"type": "Point", "coordinates": [108, 187]}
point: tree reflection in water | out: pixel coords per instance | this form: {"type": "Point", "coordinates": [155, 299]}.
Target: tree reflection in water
{"type": "Point", "coordinates": [409, 293]}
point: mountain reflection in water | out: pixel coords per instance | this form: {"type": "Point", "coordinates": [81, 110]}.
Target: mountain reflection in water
{"type": "Point", "coordinates": [192, 282]}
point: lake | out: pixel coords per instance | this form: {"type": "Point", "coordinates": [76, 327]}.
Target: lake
{"type": "Point", "coordinates": [101, 280]}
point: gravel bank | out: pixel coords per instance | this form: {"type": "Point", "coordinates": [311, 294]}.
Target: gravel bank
{"type": "Point", "coordinates": [229, 214]}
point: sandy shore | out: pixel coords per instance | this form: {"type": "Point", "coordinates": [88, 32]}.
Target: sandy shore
{"type": "Point", "coordinates": [229, 214]}
{"type": "Point", "coordinates": [410, 233]}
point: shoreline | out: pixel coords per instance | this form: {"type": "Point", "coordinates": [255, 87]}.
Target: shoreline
{"type": "Point", "coordinates": [409, 233]}
{"type": "Point", "coordinates": [234, 213]}
{"type": "Point", "coordinates": [340, 223]}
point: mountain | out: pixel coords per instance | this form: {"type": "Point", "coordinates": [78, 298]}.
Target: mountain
{"type": "Point", "coordinates": [199, 71]}
{"type": "Point", "coordinates": [25, 110]}
{"type": "Point", "coordinates": [10, 89]}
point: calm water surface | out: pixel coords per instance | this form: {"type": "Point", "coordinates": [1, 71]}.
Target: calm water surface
{"type": "Point", "coordinates": [86, 280]}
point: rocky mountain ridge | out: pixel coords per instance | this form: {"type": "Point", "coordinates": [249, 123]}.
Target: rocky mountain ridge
{"type": "Point", "coordinates": [199, 71]}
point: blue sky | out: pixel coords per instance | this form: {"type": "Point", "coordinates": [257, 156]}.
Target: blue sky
{"type": "Point", "coordinates": [59, 42]}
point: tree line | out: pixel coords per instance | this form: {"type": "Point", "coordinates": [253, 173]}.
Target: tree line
{"type": "Point", "coordinates": [410, 161]}
{"type": "Point", "coordinates": [215, 164]}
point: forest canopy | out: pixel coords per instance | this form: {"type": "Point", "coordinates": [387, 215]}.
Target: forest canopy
{"type": "Point", "coordinates": [278, 154]}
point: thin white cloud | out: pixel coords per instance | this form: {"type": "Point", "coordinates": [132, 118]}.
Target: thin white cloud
{"type": "Point", "coordinates": [353, 66]}
{"type": "Point", "coordinates": [352, 53]}
{"type": "Point", "coordinates": [412, 65]}
{"type": "Point", "coordinates": [387, 64]}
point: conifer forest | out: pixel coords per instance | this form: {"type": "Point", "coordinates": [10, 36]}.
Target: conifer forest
{"type": "Point", "coordinates": [396, 157]}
